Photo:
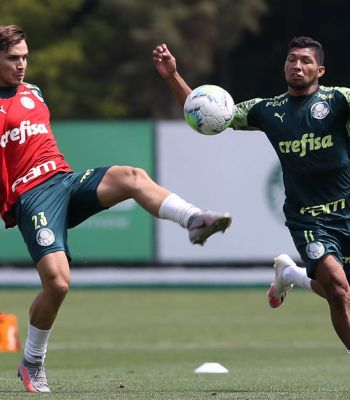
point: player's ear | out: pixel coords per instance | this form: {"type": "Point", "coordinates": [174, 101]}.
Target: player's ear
{"type": "Point", "coordinates": [321, 71]}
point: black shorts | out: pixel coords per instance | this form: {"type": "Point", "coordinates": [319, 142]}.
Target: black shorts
{"type": "Point", "coordinates": [44, 213]}
{"type": "Point", "coordinates": [315, 240]}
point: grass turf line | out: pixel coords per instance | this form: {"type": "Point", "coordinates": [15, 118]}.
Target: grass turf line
{"type": "Point", "coordinates": [145, 344]}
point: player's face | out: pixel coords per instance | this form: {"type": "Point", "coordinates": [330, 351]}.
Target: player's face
{"type": "Point", "coordinates": [302, 71]}
{"type": "Point", "coordinates": [13, 64]}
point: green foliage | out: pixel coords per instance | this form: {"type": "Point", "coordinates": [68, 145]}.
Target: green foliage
{"type": "Point", "coordinates": [92, 58]}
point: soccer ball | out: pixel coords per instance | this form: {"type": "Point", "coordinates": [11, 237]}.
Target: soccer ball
{"type": "Point", "coordinates": [209, 109]}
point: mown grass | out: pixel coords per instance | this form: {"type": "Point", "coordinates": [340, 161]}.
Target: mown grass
{"type": "Point", "coordinates": [145, 344]}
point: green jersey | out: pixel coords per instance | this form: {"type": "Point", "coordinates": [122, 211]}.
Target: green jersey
{"type": "Point", "coordinates": [310, 135]}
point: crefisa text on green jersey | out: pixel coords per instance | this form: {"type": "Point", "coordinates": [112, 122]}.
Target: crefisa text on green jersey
{"type": "Point", "coordinates": [308, 142]}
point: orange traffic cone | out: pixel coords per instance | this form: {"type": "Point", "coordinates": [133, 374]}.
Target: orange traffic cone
{"type": "Point", "coordinates": [9, 340]}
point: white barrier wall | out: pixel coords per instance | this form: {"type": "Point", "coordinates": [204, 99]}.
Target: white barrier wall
{"type": "Point", "coordinates": [234, 171]}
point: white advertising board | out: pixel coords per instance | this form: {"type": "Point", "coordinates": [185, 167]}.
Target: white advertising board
{"type": "Point", "coordinates": [236, 172]}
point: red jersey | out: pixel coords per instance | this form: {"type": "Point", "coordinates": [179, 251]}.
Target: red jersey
{"type": "Point", "coordinates": [29, 154]}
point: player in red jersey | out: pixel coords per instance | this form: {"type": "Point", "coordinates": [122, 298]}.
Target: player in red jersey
{"type": "Point", "coordinates": [42, 195]}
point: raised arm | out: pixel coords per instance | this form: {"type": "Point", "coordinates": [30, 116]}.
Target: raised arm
{"type": "Point", "coordinates": [165, 64]}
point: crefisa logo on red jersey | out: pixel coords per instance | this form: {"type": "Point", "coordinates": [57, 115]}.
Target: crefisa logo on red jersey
{"type": "Point", "coordinates": [20, 134]}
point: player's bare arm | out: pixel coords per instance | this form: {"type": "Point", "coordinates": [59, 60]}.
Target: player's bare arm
{"type": "Point", "coordinates": [165, 64]}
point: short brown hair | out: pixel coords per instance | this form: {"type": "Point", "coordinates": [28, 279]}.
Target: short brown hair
{"type": "Point", "coordinates": [10, 35]}
{"type": "Point", "coordinates": [304, 42]}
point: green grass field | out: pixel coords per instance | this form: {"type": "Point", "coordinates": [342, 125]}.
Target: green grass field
{"type": "Point", "coordinates": [145, 344]}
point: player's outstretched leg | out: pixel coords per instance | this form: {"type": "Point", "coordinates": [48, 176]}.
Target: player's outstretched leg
{"type": "Point", "coordinates": [278, 290]}
{"type": "Point", "coordinates": [121, 182]}
{"type": "Point", "coordinates": [206, 223]}
{"type": "Point", "coordinates": [33, 376]}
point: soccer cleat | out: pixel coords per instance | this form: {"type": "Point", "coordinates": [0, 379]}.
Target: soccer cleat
{"type": "Point", "coordinates": [33, 376]}
{"type": "Point", "coordinates": [273, 300]}
{"type": "Point", "coordinates": [205, 224]}
{"type": "Point", "coordinates": [278, 290]}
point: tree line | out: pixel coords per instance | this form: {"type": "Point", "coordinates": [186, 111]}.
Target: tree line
{"type": "Point", "coordinates": [92, 58]}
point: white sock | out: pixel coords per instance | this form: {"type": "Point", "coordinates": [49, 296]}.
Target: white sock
{"type": "Point", "coordinates": [348, 352]}
{"type": "Point", "coordinates": [36, 344]}
{"type": "Point", "coordinates": [178, 210]}
{"type": "Point", "coordinates": [296, 275]}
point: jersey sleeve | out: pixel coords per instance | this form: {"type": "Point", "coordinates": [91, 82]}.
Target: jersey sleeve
{"type": "Point", "coordinates": [346, 94]}
{"type": "Point", "coordinates": [244, 116]}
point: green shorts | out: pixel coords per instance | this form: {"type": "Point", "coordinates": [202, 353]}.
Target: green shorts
{"type": "Point", "coordinates": [44, 213]}
{"type": "Point", "coordinates": [313, 241]}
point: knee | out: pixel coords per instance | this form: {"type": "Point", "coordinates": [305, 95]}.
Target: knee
{"type": "Point", "coordinates": [134, 177]}
{"type": "Point", "coordinates": [135, 173]}
{"type": "Point", "coordinates": [58, 289]}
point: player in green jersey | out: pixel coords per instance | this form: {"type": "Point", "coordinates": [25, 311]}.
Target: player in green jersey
{"type": "Point", "coordinates": [309, 127]}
